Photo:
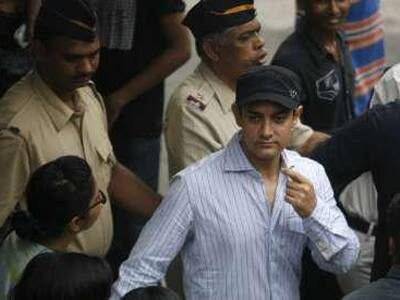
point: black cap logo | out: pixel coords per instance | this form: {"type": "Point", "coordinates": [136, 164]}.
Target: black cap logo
{"type": "Point", "coordinates": [293, 93]}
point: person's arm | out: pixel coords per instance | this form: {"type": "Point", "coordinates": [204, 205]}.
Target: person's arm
{"type": "Point", "coordinates": [131, 193]}
{"type": "Point", "coordinates": [304, 139]}
{"type": "Point", "coordinates": [15, 169]}
{"type": "Point", "coordinates": [32, 10]}
{"type": "Point", "coordinates": [160, 241]}
{"type": "Point", "coordinates": [333, 244]}
{"type": "Point", "coordinates": [348, 153]}
{"type": "Point", "coordinates": [316, 139]}
{"type": "Point", "coordinates": [174, 56]}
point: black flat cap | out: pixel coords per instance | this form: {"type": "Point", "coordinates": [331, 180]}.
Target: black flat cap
{"type": "Point", "coordinates": [210, 16]}
{"type": "Point", "coordinates": [72, 18]}
{"type": "Point", "coordinates": [269, 83]}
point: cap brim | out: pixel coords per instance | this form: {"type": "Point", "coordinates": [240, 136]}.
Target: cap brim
{"type": "Point", "coordinates": [271, 97]}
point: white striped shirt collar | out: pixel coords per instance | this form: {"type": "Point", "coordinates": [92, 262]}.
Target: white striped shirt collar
{"type": "Point", "coordinates": [237, 161]}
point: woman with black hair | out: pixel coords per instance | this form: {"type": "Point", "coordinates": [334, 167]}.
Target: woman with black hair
{"type": "Point", "coordinates": [62, 200]}
{"type": "Point", "coordinates": [64, 276]}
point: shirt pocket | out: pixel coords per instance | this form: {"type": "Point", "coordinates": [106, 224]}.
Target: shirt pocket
{"type": "Point", "coordinates": [105, 163]}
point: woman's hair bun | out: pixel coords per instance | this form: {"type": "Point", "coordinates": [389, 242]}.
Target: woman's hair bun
{"type": "Point", "coordinates": [25, 225]}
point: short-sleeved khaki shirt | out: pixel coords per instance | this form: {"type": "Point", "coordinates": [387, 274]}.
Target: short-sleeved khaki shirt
{"type": "Point", "coordinates": [200, 121]}
{"type": "Point", "coordinates": [199, 118]}
{"type": "Point", "coordinates": [37, 127]}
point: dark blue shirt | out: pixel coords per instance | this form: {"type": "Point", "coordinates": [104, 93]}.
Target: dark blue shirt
{"type": "Point", "coordinates": [387, 288]}
{"type": "Point", "coordinates": [369, 143]}
{"type": "Point", "coordinates": [328, 84]}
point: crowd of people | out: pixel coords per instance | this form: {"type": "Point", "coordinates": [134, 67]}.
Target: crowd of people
{"type": "Point", "coordinates": [283, 176]}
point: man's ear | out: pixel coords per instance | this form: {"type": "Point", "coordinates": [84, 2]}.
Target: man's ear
{"type": "Point", "coordinates": [238, 114]}
{"type": "Point", "coordinates": [210, 49]}
{"type": "Point", "coordinates": [76, 224]}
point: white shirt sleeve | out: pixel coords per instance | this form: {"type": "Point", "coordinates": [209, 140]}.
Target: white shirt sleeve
{"type": "Point", "coordinates": [160, 241]}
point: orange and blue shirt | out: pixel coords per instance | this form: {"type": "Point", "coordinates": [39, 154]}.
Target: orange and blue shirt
{"type": "Point", "coordinates": [365, 38]}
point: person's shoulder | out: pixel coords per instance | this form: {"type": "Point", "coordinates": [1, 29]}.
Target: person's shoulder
{"type": "Point", "coordinates": [212, 163]}
{"type": "Point", "coordinates": [193, 94]}
{"type": "Point", "coordinates": [289, 50]}
{"type": "Point", "coordinates": [92, 97]}
{"type": "Point", "coordinates": [90, 91]}
{"type": "Point", "coordinates": [18, 107]}
{"type": "Point", "coordinates": [392, 74]}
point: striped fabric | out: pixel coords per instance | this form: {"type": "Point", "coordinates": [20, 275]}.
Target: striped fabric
{"type": "Point", "coordinates": [234, 246]}
{"type": "Point", "coordinates": [364, 31]}
{"type": "Point", "coordinates": [388, 88]}
{"type": "Point", "coordinates": [117, 22]}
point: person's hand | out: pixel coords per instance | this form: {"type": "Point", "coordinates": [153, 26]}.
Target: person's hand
{"type": "Point", "coordinates": [300, 193]}
{"type": "Point", "coordinates": [32, 10]}
{"type": "Point", "coordinates": [316, 139]}
{"type": "Point", "coordinates": [114, 103]}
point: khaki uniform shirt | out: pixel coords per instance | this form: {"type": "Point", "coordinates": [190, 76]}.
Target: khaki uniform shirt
{"type": "Point", "coordinates": [38, 127]}
{"type": "Point", "coordinates": [200, 121]}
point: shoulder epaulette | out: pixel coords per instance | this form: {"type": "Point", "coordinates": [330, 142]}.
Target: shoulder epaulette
{"type": "Point", "coordinates": [195, 100]}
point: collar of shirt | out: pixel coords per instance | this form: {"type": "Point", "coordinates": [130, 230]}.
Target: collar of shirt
{"type": "Point", "coordinates": [225, 95]}
{"type": "Point", "coordinates": [57, 110]}
{"type": "Point", "coordinates": [305, 30]}
{"type": "Point", "coordinates": [237, 161]}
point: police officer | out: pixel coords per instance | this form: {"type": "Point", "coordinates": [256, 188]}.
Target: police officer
{"type": "Point", "coordinates": [199, 119]}
{"type": "Point", "coordinates": [56, 111]}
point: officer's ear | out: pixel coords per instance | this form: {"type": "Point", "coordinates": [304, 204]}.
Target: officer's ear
{"type": "Point", "coordinates": [210, 49]}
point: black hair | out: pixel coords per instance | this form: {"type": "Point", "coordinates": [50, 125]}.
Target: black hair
{"type": "Point", "coordinates": [56, 192]}
{"type": "Point", "coordinates": [151, 293]}
{"type": "Point", "coordinates": [64, 276]}
{"type": "Point", "coordinates": [393, 225]}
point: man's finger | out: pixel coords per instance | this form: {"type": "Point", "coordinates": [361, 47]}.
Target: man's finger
{"type": "Point", "coordinates": [295, 185]}
{"type": "Point", "coordinates": [291, 200]}
{"type": "Point", "coordinates": [299, 195]}
{"type": "Point", "coordinates": [293, 175]}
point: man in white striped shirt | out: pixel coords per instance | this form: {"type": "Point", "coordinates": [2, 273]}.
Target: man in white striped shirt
{"type": "Point", "coordinates": [242, 216]}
